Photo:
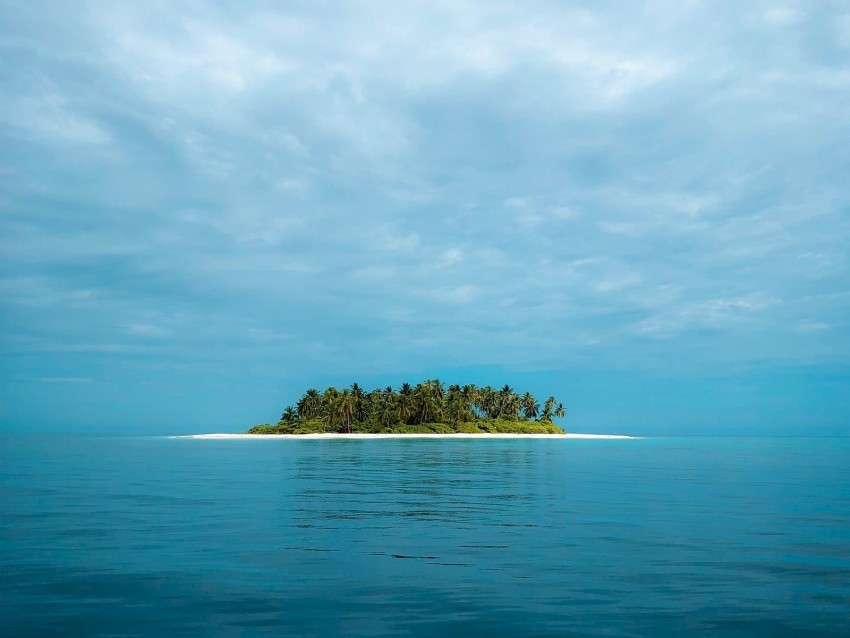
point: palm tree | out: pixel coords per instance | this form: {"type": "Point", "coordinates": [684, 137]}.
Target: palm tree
{"type": "Point", "coordinates": [530, 406]}
{"type": "Point", "coordinates": [438, 390]}
{"type": "Point", "coordinates": [289, 416]}
{"type": "Point", "coordinates": [387, 414]}
{"type": "Point", "coordinates": [330, 400]}
{"type": "Point", "coordinates": [357, 395]}
{"type": "Point", "coordinates": [385, 397]}
{"type": "Point", "coordinates": [345, 408]}
{"type": "Point", "coordinates": [310, 405]}
{"type": "Point", "coordinates": [548, 407]}
{"type": "Point", "coordinates": [301, 407]}
{"type": "Point", "coordinates": [486, 402]}
{"type": "Point", "coordinates": [470, 394]}
{"type": "Point", "coordinates": [560, 412]}
{"type": "Point", "coordinates": [504, 399]}
{"type": "Point", "coordinates": [438, 394]}
{"type": "Point", "coordinates": [373, 403]}
{"type": "Point", "coordinates": [513, 405]}
{"type": "Point", "coordinates": [423, 399]}
{"type": "Point", "coordinates": [457, 408]}
{"type": "Point", "coordinates": [405, 405]}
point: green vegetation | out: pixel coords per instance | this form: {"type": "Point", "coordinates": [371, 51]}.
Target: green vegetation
{"type": "Point", "coordinates": [426, 408]}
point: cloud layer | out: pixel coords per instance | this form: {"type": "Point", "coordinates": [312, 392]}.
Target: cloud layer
{"type": "Point", "coordinates": [380, 187]}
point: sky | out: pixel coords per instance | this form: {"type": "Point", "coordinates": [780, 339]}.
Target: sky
{"type": "Point", "coordinates": [641, 208]}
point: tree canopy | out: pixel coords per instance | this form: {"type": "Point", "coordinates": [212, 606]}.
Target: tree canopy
{"type": "Point", "coordinates": [428, 406]}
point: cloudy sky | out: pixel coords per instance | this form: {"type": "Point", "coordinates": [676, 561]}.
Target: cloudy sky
{"type": "Point", "coordinates": [643, 208]}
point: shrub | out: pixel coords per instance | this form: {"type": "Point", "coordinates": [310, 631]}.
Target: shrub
{"type": "Point", "coordinates": [484, 426]}
{"type": "Point", "coordinates": [469, 427]}
{"type": "Point", "coordinates": [425, 428]}
{"type": "Point", "coordinates": [263, 428]}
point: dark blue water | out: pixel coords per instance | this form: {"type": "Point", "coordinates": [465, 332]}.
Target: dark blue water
{"type": "Point", "coordinates": [654, 537]}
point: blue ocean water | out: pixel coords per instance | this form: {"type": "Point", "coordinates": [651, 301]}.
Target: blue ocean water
{"type": "Point", "coordinates": [154, 536]}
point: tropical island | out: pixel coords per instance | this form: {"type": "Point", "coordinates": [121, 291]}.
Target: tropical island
{"type": "Point", "coordinates": [425, 408]}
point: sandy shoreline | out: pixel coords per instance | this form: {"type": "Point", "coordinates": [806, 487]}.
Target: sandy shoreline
{"type": "Point", "coordinates": [329, 435]}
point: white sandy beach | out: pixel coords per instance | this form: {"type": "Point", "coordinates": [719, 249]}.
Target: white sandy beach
{"type": "Point", "coordinates": [330, 435]}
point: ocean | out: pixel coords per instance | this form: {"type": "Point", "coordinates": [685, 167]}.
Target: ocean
{"type": "Point", "coordinates": [677, 536]}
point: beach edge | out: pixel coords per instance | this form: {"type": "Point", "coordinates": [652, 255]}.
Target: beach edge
{"type": "Point", "coordinates": [458, 435]}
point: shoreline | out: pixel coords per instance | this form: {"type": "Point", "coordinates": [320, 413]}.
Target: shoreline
{"type": "Point", "coordinates": [332, 435]}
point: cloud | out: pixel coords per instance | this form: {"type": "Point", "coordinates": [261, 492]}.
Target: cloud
{"type": "Point", "coordinates": [811, 326]}
{"type": "Point", "coordinates": [714, 314]}
{"type": "Point", "coordinates": [145, 330]}
{"type": "Point", "coordinates": [48, 119]}
{"type": "Point", "coordinates": [446, 183]}
{"type": "Point", "coordinates": [781, 15]}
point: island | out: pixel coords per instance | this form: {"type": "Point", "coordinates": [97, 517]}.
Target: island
{"type": "Point", "coordinates": [425, 408]}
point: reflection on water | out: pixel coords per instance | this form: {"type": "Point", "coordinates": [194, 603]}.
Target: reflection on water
{"type": "Point", "coordinates": [449, 484]}
{"type": "Point", "coordinates": [664, 537]}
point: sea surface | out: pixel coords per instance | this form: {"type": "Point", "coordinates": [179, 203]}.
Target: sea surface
{"type": "Point", "coordinates": [156, 536]}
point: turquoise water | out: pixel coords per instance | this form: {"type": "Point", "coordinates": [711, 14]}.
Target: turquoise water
{"type": "Point", "coordinates": [652, 537]}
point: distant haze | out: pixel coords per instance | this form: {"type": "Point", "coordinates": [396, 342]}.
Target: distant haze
{"type": "Point", "coordinates": [642, 208]}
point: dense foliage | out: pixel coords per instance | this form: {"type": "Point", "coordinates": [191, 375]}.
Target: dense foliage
{"type": "Point", "coordinates": [428, 407]}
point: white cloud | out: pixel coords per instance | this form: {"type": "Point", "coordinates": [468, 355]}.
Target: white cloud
{"type": "Point", "coordinates": [811, 326]}
{"type": "Point", "coordinates": [145, 330]}
{"type": "Point", "coordinates": [841, 25]}
{"type": "Point", "coordinates": [715, 314]}
{"type": "Point", "coordinates": [618, 283]}
{"type": "Point", "coordinates": [49, 119]}
{"type": "Point", "coordinates": [450, 257]}
{"type": "Point", "coordinates": [454, 295]}
{"type": "Point", "coordinates": [781, 15]}
{"type": "Point", "coordinates": [589, 175]}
